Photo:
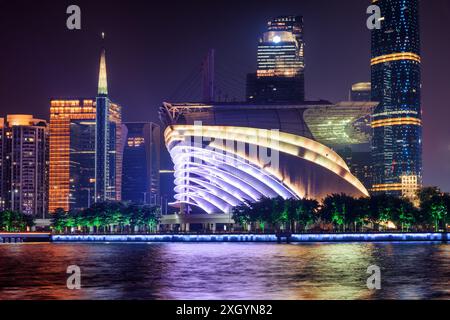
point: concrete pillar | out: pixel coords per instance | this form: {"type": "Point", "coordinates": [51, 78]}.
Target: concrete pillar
{"type": "Point", "coordinates": [213, 227]}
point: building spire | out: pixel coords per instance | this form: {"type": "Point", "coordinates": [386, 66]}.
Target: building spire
{"type": "Point", "coordinates": [102, 77]}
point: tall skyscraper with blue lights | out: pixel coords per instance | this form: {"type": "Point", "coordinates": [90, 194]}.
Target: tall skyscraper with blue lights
{"type": "Point", "coordinates": [396, 84]}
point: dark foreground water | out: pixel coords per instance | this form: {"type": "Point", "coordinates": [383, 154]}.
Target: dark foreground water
{"type": "Point", "coordinates": [225, 271]}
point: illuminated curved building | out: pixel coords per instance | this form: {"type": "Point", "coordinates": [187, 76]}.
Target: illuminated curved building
{"type": "Point", "coordinates": [228, 154]}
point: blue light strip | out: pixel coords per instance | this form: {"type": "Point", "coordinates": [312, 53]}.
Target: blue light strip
{"type": "Point", "coordinates": [296, 238]}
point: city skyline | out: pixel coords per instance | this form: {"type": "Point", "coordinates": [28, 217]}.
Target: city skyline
{"type": "Point", "coordinates": [83, 47]}
{"type": "Point", "coordinates": [224, 155]}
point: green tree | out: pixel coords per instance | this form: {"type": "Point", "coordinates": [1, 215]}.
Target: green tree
{"type": "Point", "coordinates": [58, 220]}
{"type": "Point", "coordinates": [405, 214]}
{"type": "Point", "coordinates": [335, 209]}
{"type": "Point", "coordinates": [151, 216]}
{"type": "Point", "coordinates": [306, 210]}
{"type": "Point", "coordinates": [434, 207]}
{"type": "Point", "coordinates": [241, 215]}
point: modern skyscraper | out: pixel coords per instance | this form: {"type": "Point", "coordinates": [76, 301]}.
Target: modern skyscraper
{"type": "Point", "coordinates": [280, 74]}
{"type": "Point", "coordinates": [361, 91]}
{"type": "Point", "coordinates": [74, 141]}
{"type": "Point", "coordinates": [396, 83]}
{"type": "Point", "coordinates": [108, 142]}
{"type": "Point", "coordinates": [24, 150]}
{"type": "Point", "coordinates": [72, 154]}
{"type": "Point", "coordinates": [141, 163]}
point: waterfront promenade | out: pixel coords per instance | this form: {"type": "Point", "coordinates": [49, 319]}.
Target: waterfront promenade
{"type": "Point", "coordinates": [269, 238]}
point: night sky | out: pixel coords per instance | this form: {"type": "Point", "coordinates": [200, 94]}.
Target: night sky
{"type": "Point", "coordinates": [154, 53]}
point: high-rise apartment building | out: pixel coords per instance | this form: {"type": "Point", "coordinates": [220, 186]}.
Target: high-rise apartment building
{"type": "Point", "coordinates": [396, 84]}
{"type": "Point", "coordinates": [24, 159]}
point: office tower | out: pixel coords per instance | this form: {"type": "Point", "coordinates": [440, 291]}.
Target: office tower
{"type": "Point", "coordinates": [141, 163]}
{"type": "Point", "coordinates": [24, 150]}
{"type": "Point", "coordinates": [74, 142]}
{"type": "Point", "coordinates": [72, 154]}
{"type": "Point", "coordinates": [361, 92]}
{"type": "Point", "coordinates": [396, 82]}
{"type": "Point", "coordinates": [108, 143]}
{"type": "Point", "coordinates": [280, 73]}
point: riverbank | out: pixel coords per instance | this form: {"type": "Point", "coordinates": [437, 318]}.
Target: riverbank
{"type": "Point", "coordinates": [19, 237]}
{"type": "Point", "coordinates": [268, 238]}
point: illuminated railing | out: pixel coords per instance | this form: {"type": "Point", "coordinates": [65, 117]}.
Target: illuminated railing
{"type": "Point", "coordinates": [347, 237]}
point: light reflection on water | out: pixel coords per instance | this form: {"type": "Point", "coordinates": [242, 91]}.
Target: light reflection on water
{"type": "Point", "coordinates": [225, 271]}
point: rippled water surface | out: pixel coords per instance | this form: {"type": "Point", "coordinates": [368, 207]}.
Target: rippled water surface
{"type": "Point", "coordinates": [225, 271]}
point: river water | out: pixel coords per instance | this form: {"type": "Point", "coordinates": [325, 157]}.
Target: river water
{"type": "Point", "coordinates": [225, 271]}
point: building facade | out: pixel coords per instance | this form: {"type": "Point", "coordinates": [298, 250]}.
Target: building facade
{"type": "Point", "coordinates": [84, 150]}
{"type": "Point", "coordinates": [72, 154]}
{"type": "Point", "coordinates": [141, 163]}
{"type": "Point", "coordinates": [396, 84]}
{"type": "Point", "coordinates": [281, 65]}
{"type": "Point", "coordinates": [361, 91]}
{"type": "Point", "coordinates": [108, 142]}
{"type": "Point", "coordinates": [227, 154]}
{"type": "Point", "coordinates": [24, 151]}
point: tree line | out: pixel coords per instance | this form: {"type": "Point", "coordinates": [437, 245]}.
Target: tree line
{"type": "Point", "coordinates": [342, 213]}
{"type": "Point", "coordinates": [108, 217]}
{"type": "Point", "coordinates": [337, 212]}
{"type": "Point", "coordinates": [13, 221]}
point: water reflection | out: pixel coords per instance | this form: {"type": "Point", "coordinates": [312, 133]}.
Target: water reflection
{"type": "Point", "coordinates": [225, 271]}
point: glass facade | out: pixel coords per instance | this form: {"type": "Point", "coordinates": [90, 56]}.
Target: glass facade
{"type": "Point", "coordinates": [141, 163]}
{"type": "Point", "coordinates": [396, 82]}
{"type": "Point", "coordinates": [280, 71]}
{"type": "Point", "coordinates": [108, 142]}
{"type": "Point", "coordinates": [72, 154]}
{"type": "Point", "coordinates": [82, 163]}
